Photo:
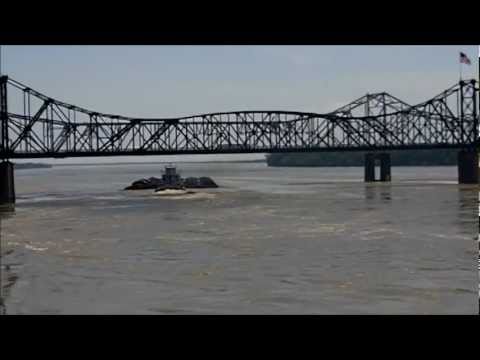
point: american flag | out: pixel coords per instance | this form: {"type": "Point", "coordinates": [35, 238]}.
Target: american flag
{"type": "Point", "coordinates": [464, 59]}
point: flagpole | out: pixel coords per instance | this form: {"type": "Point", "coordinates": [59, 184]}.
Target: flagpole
{"type": "Point", "coordinates": [460, 69]}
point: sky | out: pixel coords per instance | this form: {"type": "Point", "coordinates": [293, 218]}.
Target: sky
{"type": "Point", "coordinates": [170, 81]}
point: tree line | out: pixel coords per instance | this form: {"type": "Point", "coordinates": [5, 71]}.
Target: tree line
{"type": "Point", "coordinates": [434, 157]}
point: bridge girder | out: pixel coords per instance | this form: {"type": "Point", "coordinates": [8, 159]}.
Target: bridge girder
{"type": "Point", "coordinates": [375, 121]}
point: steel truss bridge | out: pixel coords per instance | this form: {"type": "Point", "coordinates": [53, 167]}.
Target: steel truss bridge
{"type": "Point", "coordinates": [34, 125]}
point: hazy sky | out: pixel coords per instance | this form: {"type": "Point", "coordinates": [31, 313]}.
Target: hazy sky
{"type": "Point", "coordinates": [167, 81]}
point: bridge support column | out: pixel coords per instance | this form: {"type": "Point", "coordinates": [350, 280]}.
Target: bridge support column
{"type": "Point", "coordinates": [369, 167]}
{"type": "Point", "coordinates": [467, 166]}
{"type": "Point", "coordinates": [385, 167]}
{"type": "Point", "coordinates": [7, 183]}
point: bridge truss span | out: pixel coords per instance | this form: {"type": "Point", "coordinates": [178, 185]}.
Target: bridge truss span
{"type": "Point", "coordinates": [34, 125]}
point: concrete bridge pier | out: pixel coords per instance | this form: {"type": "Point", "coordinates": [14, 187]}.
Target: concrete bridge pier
{"type": "Point", "coordinates": [369, 167]}
{"type": "Point", "coordinates": [467, 165]}
{"type": "Point", "coordinates": [385, 166]}
{"type": "Point", "coordinates": [7, 183]}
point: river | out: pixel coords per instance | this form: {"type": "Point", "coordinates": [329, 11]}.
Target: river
{"type": "Point", "coordinates": [267, 241]}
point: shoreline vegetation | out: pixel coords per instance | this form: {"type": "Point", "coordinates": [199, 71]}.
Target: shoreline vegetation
{"type": "Point", "coordinates": [162, 162]}
{"type": "Point", "coordinates": [435, 157]}
{"type": "Point", "coordinates": [21, 166]}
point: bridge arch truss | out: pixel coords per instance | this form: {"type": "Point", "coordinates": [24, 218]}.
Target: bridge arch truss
{"type": "Point", "coordinates": [34, 125]}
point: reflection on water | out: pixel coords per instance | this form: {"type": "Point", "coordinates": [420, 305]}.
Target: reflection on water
{"type": "Point", "coordinates": [381, 191]}
{"type": "Point", "coordinates": [6, 278]}
{"type": "Point", "coordinates": [269, 240]}
{"type": "Point", "coordinates": [466, 218]}
{"type": "Point", "coordinates": [467, 197]}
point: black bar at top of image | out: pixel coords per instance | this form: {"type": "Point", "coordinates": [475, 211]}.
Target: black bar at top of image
{"type": "Point", "coordinates": [226, 37]}
{"type": "Point", "coordinates": [336, 23]}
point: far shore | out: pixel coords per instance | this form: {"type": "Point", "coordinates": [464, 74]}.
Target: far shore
{"type": "Point", "coordinates": [21, 166]}
{"type": "Point", "coordinates": [161, 163]}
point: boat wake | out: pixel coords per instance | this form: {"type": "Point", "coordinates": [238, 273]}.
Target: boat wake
{"type": "Point", "coordinates": [182, 194]}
